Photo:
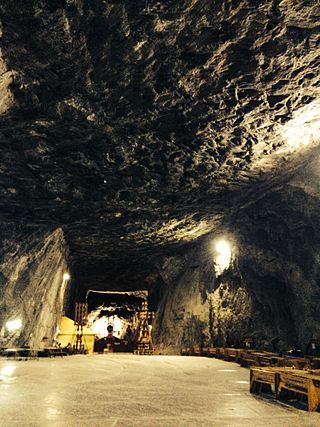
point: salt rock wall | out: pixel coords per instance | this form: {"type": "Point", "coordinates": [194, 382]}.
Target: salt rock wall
{"type": "Point", "coordinates": [280, 261]}
{"type": "Point", "coordinates": [270, 292]}
{"type": "Point", "coordinates": [32, 288]}
{"type": "Point", "coordinates": [6, 79]}
{"type": "Point", "coordinates": [199, 308]}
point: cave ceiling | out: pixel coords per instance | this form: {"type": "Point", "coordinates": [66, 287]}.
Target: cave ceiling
{"type": "Point", "coordinates": [139, 126]}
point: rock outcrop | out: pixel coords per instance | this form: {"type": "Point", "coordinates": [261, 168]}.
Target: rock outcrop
{"type": "Point", "coordinates": [32, 288]}
{"type": "Point", "coordinates": [270, 292]}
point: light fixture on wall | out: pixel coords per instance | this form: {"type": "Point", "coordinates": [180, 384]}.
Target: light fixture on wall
{"type": "Point", "coordinates": [14, 325]}
{"type": "Point", "coordinates": [66, 277]}
{"type": "Point", "coordinates": [223, 254]}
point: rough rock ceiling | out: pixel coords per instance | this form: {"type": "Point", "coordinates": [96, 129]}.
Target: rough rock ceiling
{"type": "Point", "coordinates": [140, 125]}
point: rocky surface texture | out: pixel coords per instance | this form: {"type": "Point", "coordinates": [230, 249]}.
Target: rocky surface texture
{"type": "Point", "coordinates": [270, 292]}
{"type": "Point", "coordinates": [32, 288]}
{"type": "Point", "coordinates": [139, 126]}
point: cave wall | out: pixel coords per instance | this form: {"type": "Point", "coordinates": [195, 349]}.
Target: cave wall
{"type": "Point", "coordinates": [198, 307]}
{"type": "Point", "coordinates": [136, 125]}
{"type": "Point", "coordinates": [271, 290]}
{"type": "Point", "coordinates": [280, 261]}
{"type": "Point", "coordinates": [32, 287]}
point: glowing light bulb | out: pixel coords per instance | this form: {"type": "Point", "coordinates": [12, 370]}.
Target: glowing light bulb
{"type": "Point", "coordinates": [13, 325]}
{"type": "Point", "coordinates": [223, 247]}
{"type": "Point", "coordinates": [223, 256]}
{"type": "Point", "coordinates": [66, 276]}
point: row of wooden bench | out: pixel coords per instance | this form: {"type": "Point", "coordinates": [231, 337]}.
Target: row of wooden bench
{"type": "Point", "coordinates": [251, 357]}
{"type": "Point", "coordinates": [286, 381]}
{"type": "Point", "coordinates": [30, 353]}
{"type": "Point", "coordinates": [271, 372]}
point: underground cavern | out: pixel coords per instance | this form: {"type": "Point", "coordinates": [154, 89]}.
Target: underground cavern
{"type": "Point", "coordinates": [160, 195]}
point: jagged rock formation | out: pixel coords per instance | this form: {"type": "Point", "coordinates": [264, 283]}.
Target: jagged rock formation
{"type": "Point", "coordinates": [138, 127]}
{"type": "Point", "coordinates": [270, 291]}
{"type": "Point", "coordinates": [32, 288]}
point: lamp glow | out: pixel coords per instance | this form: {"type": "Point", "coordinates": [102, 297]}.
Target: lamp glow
{"type": "Point", "coordinates": [99, 326]}
{"type": "Point", "coordinates": [304, 127]}
{"type": "Point", "coordinates": [223, 256]}
{"type": "Point", "coordinates": [14, 325]}
{"type": "Point", "coordinates": [66, 276]}
{"type": "Point", "coordinates": [7, 371]}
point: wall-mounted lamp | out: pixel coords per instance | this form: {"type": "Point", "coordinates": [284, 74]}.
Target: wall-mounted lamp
{"type": "Point", "coordinates": [223, 255]}
{"type": "Point", "coordinates": [14, 325]}
{"type": "Point", "coordinates": [66, 276]}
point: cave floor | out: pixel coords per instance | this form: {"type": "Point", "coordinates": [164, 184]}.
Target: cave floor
{"type": "Point", "coordinates": [127, 390]}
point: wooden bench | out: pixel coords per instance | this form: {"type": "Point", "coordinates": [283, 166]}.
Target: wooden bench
{"type": "Point", "coordinates": [52, 352]}
{"type": "Point", "coordinates": [20, 353]}
{"type": "Point", "coordinates": [314, 362]}
{"type": "Point", "coordinates": [184, 351]}
{"type": "Point", "coordinates": [265, 358]}
{"type": "Point", "coordinates": [248, 358]}
{"type": "Point", "coordinates": [220, 352]}
{"type": "Point", "coordinates": [300, 382]}
{"type": "Point", "coordinates": [263, 380]}
{"type": "Point", "coordinates": [187, 351]}
{"type": "Point", "coordinates": [206, 351]}
{"type": "Point", "coordinates": [212, 352]}
{"type": "Point", "coordinates": [294, 362]}
{"type": "Point", "coordinates": [232, 354]}
{"type": "Point", "coordinates": [197, 351]}
{"type": "Point", "coordinates": [282, 380]}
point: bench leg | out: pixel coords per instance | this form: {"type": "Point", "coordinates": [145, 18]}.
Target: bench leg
{"type": "Point", "coordinates": [277, 388]}
{"type": "Point", "coordinates": [253, 386]}
{"type": "Point", "coordinates": [313, 396]}
{"type": "Point", "coordinates": [252, 383]}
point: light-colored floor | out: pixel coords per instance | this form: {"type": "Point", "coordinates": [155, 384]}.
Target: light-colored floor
{"type": "Point", "coordinates": [126, 390]}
